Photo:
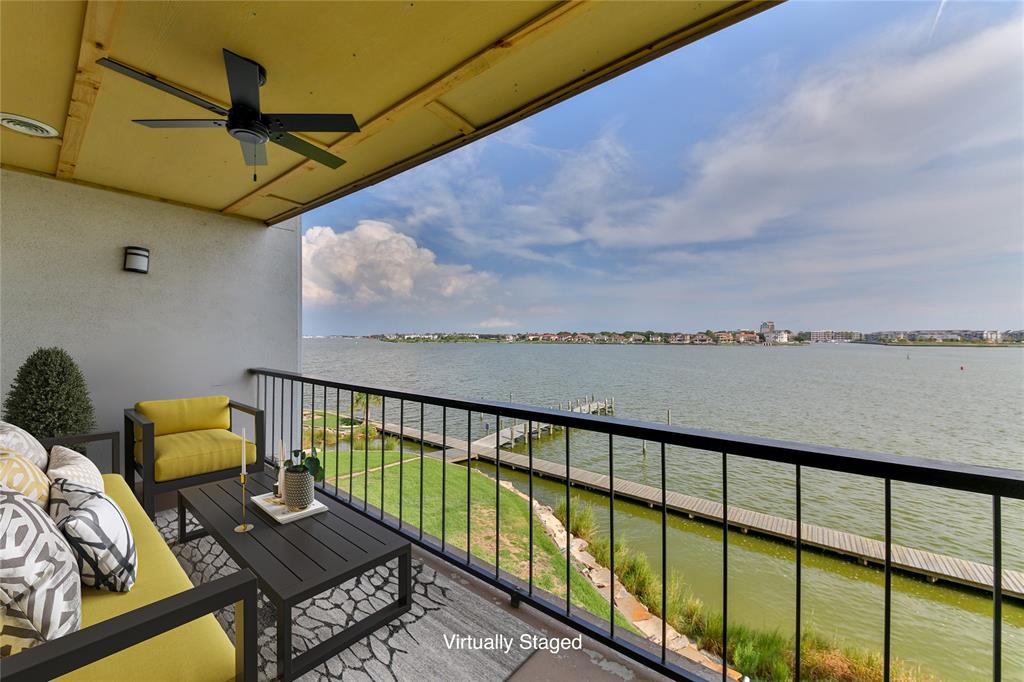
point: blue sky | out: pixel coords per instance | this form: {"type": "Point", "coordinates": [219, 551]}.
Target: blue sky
{"type": "Point", "coordinates": [824, 165]}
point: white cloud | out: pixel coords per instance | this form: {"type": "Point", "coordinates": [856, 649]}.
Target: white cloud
{"type": "Point", "coordinates": [374, 263]}
{"type": "Point", "coordinates": [497, 323]}
{"type": "Point", "coordinates": [892, 149]}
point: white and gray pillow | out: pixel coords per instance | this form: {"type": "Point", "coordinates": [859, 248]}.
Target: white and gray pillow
{"type": "Point", "coordinates": [17, 440]}
{"type": "Point", "coordinates": [40, 589]}
{"type": "Point", "coordinates": [75, 467]}
{"type": "Point", "coordinates": [98, 533]}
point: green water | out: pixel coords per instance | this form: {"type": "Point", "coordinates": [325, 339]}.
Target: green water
{"type": "Point", "coordinates": [862, 397]}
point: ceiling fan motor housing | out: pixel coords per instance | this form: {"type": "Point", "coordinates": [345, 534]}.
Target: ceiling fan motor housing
{"type": "Point", "coordinates": [246, 126]}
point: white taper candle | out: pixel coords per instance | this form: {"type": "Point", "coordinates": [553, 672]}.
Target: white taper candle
{"type": "Point", "coordinates": [243, 450]}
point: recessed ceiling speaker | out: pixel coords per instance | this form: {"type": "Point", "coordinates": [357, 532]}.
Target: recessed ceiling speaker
{"type": "Point", "coordinates": [27, 126]}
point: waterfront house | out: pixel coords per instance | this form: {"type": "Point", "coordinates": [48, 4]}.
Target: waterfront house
{"type": "Point", "coordinates": [724, 337]}
{"type": "Point", "coordinates": [746, 336]}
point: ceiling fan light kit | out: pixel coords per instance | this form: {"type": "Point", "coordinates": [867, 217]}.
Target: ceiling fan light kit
{"type": "Point", "coordinates": [245, 121]}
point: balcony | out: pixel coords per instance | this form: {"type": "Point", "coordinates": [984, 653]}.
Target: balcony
{"type": "Point", "coordinates": [497, 583]}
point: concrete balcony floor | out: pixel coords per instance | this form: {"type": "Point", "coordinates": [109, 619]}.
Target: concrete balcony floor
{"type": "Point", "coordinates": [446, 601]}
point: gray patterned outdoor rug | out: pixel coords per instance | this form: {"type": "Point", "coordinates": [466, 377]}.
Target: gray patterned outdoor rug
{"type": "Point", "coordinates": [409, 648]}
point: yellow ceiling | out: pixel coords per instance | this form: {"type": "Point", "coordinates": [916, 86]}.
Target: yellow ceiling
{"type": "Point", "coordinates": [421, 78]}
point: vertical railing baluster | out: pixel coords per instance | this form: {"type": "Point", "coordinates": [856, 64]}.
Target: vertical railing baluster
{"type": "Point", "coordinates": [383, 400]}
{"type": "Point", "coordinates": [401, 460]}
{"type": "Point", "coordinates": [497, 495]}
{"type": "Point", "coordinates": [725, 566]}
{"type": "Point", "coordinates": [291, 415]}
{"type": "Point", "coordinates": [888, 581]}
{"type": "Point", "coordinates": [529, 452]}
{"type": "Point", "coordinates": [323, 444]}
{"type": "Point", "coordinates": [444, 470]}
{"type": "Point", "coordinates": [469, 485]}
{"type": "Point", "coordinates": [799, 563]}
{"type": "Point", "coordinates": [337, 438]}
{"type": "Point", "coordinates": [611, 532]}
{"type": "Point", "coordinates": [568, 525]}
{"type": "Point", "coordinates": [421, 470]}
{"type": "Point", "coordinates": [366, 451]}
{"type": "Point", "coordinates": [273, 404]}
{"type": "Point", "coordinates": [664, 557]}
{"type": "Point", "coordinates": [281, 433]}
{"type": "Point", "coordinates": [997, 588]}
{"type": "Point", "coordinates": [351, 442]}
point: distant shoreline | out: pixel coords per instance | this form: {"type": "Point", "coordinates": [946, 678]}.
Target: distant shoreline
{"type": "Point", "coordinates": [941, 344]}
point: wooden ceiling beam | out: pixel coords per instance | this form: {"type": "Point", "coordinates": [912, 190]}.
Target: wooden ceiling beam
{"type": "Point", "coordinates": [450, 116]}
{"type": "Point", "coordinates": [97, 33]}
{"type": "Point", "coordinates": [525, 35]}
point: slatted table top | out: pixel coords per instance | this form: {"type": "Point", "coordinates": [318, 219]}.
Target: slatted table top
{"type": "Point", "coordinates": [297, 560]}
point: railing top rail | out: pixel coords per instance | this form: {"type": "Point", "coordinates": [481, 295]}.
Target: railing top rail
{"type": "Point", "coordinates": [968, 477]}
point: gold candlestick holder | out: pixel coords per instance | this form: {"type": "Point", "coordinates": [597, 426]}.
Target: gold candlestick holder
{"type": "Point", "coordinates": [243, 527]}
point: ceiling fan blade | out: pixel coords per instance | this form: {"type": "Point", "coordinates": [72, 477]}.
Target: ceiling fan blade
{"type": "Point", "coordinates": [243, 81]}
{"type": "Point", "coordinates": [180, 122]}
{"type": "Point", "coordinates": [255, 154]}
{"type": "Point", "coordinates": [306, 149]}
{"type": "Point", "coordinates": [153, 81]}
{"type": "Point", "coordinates": [312, 123]}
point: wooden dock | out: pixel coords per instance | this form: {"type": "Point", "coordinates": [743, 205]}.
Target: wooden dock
{"type": "Point", "coordinates": [458, 447]}
{"type": "Point", "coordinates": [933, 566]}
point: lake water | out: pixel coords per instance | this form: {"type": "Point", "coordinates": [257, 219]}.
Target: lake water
{"type": "Point", "coordinates": [956, 404]}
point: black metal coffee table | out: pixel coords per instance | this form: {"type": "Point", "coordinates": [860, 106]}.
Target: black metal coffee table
{"type": "Point", "coordinates": [299, 560]}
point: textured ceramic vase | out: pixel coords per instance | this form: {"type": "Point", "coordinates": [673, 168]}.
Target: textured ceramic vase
{"type": "Point", "coordinates": [298, 489]}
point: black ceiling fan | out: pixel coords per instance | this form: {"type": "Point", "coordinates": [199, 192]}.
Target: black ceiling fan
{"type": "Point", "coordinates": [245, 122]}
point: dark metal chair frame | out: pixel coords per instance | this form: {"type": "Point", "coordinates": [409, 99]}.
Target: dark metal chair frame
{"type": "Point", "coordinates": [150, 487]}
{"type": "Point", "coordinates": [57, 657]}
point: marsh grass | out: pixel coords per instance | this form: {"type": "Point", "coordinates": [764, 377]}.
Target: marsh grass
{"type": "Point", "coordinates": [762, 654]}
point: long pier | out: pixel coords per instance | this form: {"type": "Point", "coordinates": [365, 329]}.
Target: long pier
{"type": "Point", "coordinates": [458, 447]}
{"type": "Point", "coordinates": [933, 566]}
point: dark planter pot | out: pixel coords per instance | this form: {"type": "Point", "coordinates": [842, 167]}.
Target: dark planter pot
{"type": "Point", "coordinates": [298, 489]}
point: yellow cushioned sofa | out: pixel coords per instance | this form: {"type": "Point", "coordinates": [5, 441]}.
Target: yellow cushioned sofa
{"type": "Point", "coordinates": [163, 630]}
{"type": "Point", "coordinates": [180, 443]}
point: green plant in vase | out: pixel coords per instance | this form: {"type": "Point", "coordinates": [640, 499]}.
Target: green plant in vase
{"type": "Point", "coordinates": [299, 477]}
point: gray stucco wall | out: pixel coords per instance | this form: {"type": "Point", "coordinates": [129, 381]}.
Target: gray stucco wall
{"type": "Point", "coordinates": [222, 294]}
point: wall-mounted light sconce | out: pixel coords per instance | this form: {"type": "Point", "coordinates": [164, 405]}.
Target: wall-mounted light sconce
{"type": "Point", "coordinates": [136, 259]}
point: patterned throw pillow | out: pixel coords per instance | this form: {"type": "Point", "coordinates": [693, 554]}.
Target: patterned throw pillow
{"type": "Point", "coordinates": [40, 591]}
{"type": "Point", "coordinates": [75, 467]}
{"type": "Point", "coordinates": [17, 440]}
{"type": "Point", "coordinates": [18, 473]}
{"type": "Point", "coordinates": [98, 533]}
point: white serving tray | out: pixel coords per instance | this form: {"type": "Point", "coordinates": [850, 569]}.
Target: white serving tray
{"type": "Point", "coordinates": [280, 513]}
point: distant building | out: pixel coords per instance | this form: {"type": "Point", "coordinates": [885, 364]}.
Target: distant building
{"type": "Point", "coordinates": [724, 337]}
{"type": "Point", "coordinates": [778, 336]}
{"type": "Point", "coordinates": [832, 336]}
{"type": "Point", "coordinates": [746, 337]}
{"type": "Point", "coordinates": [767, 328]}
{"type": "Point", "coordinates": [636, 338]}
{"type": "Point", "coordinates": [992, 336]}
{"type": "Point", "coordinates": [701, 339]}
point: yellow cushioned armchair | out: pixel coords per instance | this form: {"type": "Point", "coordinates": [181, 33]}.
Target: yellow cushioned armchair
{"type": "Point", "coordinates": [180, 443]}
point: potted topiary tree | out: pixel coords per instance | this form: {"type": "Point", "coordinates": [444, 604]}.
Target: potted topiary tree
{"type": "Point", "coordinates": [299, 477]}
{"type": "Point", "coordinates": [49, 396]}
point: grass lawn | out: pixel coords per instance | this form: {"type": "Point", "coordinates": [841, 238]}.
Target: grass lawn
{"type": "Point", "coordinates": [549, 562]}
{"type": "Point", "coordinates": [319, 418]}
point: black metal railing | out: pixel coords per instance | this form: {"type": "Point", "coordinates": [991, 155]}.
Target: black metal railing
{"type": "Point", "coordinates": [276, 394]}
